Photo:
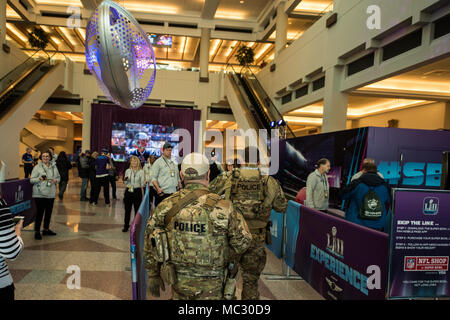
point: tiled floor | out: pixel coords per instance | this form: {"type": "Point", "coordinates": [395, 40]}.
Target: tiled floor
{"type": "Point", "coordinates": [91, 238]}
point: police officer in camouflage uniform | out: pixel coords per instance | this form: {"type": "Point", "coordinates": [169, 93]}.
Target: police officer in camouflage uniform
{"type": "Point", "coordinates": [255, 195]}
{"type": "Point", "coordinates": [217, 185]}
{"type": "Point", "coordinates": [190, 236]}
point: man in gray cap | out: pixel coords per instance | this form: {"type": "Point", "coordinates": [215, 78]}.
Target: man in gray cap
{"type": "Point", "coordinates": [192, 238]}
{"type": "Point", "coordinates": [165, 176]}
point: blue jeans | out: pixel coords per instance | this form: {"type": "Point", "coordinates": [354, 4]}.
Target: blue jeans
{"type": "Point", "coordinates": [84, 185]}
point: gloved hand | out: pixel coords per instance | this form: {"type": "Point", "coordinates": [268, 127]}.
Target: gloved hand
{"type": "Point", "coordinates": [154, 284]}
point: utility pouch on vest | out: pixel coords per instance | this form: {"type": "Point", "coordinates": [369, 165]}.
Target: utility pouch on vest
{"type": "Point", "coordinates": [161, 245]}
{"type": "Point", "coordinates": [230, 281]}
{"type": "Point", "coordinates": [168, 273]}
{"type": "Point", "coordinates": [268, 233]}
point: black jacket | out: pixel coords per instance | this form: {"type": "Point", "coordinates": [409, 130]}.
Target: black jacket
{"type": "Point", "coordinates": [63, 168]}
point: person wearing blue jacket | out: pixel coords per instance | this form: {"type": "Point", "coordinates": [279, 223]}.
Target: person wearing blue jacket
{"type": "Point", "coordinates": [369, 200]}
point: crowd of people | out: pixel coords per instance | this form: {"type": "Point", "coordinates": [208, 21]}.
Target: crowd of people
{"type": "Point", "coordinates": [229, 209]}
{"type": "Point", "coordinates": [366, 198]}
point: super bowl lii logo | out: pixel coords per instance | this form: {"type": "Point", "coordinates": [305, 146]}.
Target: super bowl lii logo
{"type": "Point", "coordinates": [334, 244]}
{"type": "Point", "coordinates": [19, 194]}
{"type": "Point", "coordinates": [430, 205]}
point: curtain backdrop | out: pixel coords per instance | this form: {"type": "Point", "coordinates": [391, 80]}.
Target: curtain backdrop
{"type": "Point", "coordinates": [103, 116]}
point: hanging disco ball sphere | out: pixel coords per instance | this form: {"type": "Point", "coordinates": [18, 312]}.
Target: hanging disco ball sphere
{"type": "Point", "coordinates": [120, 55]}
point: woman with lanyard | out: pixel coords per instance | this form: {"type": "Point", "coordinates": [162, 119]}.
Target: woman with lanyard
{"type": "Point", "coordinates": [134, 180]}
{"type": "Point", "coordinates": [44, 178]}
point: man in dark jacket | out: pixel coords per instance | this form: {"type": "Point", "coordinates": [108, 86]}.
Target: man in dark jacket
{"type": "Point", "coordinates": [83, 172]}
{"type": "Point", "coordinates": [370, 199]}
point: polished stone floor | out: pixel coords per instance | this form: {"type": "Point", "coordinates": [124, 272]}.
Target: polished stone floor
{"type": "Point", "coordinates": [91, 239]}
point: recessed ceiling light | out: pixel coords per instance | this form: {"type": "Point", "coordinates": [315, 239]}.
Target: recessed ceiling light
{"type": "Point", "coordinates": [241, 2]}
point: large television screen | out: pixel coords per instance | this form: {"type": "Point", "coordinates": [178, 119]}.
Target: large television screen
{"type": "Point", "coordinates": [127, 138]}
{"type": "Point", "coordinates": [159, 40]}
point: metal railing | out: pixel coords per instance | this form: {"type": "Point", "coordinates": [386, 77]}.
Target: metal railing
{"type": "Point", "coordinates": [264, 103]}
{"type": "Point", "coordinates": [20, 80]}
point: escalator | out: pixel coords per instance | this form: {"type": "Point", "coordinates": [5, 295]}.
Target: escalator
{"type": "Point", "coordinates": [23, 91]}
{"type": "Point", "coordinates": [259, 107]}
{"type": "Point", "coordinates": [20, 81]}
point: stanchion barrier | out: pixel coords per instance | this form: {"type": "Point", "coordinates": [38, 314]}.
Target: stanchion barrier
{"type": "Point", "coordinates": [340, 259]}
{"type": "Point", "coordinates": [18, 196]}
{"type": "Point", "coordinates": [137, 233]}
{"type": "Point", "coordinates": [283, 250]}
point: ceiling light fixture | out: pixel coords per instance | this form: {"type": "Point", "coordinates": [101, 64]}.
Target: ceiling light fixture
{"type": "Point", "coordinates": [215, 47]}
{"type": "Point", "coordinates": [233, 45]}
{"type": "Point", "coordinates": [68, 35]}
{"type": "Point", "coordinates": [140, 7]}
{"type": "Point", "coordinates": [183, 42]}
{"type": "Point", "coordinates": [263, 50]}
{"type": "Point", "coordinates": [16, 32]}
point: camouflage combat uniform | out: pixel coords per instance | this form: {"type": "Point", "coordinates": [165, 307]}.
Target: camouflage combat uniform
{"type": "Point", "coordinates": [254, 195]}
{"type": "Point", "coordinates": [200, 237]}
{"type": "Point", "coordinates": [218, 184]}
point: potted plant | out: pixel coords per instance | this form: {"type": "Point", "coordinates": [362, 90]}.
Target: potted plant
{"type": "Point", "coordinates": [38, 39]}
{"type": "Point", "coordinates": [245, 55]}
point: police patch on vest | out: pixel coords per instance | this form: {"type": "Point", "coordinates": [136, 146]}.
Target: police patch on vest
{"type": "Point", "coordinates": [249, 185]}
{"type": "Point", "coordinates": [189, 227]}
{"type": "Point", "coordinates": [371, 208]}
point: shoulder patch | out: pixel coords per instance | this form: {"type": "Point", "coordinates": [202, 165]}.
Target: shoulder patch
{"type": "Point", "coordinates": [212, 199]}
{"type": "Point", "coordinates": [225, 204]}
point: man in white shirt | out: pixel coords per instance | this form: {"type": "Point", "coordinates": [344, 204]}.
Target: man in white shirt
{"type": "Point", "coordinates": [165, 176]}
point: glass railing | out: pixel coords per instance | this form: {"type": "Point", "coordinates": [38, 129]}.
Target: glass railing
{"type": "Point", "coordinates": [18, 71]}
{"type": "Point", "coordinates": [20, 81]}
{"type": "Point", "coordinates": [263, 102]}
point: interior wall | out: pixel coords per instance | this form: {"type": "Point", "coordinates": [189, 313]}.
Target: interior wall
{"type": "Point", "coordinates": [429, 117]}
{"type": "Point", "coordinates": [67, 145]}
{"type": "Point", "coordinates": [8, 61]}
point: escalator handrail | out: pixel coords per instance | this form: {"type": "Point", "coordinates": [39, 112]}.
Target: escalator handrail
{"type": "Point", "coordinates": [247, 85]}
{"type": "Point", "coordinates": [22, 77]}
{"type": "Point", "coordinates": [272, 105]}
{"type": "Point", "coordinates": [18, 66]}
{"type": "Point", "coordinates": [37, 65]}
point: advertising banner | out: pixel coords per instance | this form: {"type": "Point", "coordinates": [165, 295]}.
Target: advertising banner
{"type": "Point", "coordinates": [420, 244]}
{"type": "Point", "coordinates": [276, 230]}
{"type": "Point", "coordinates": [339, 259]}
{"type": "Point", "coordinates": [137, 233]}
{"type": "Point", "coordinates": [18, 196]}
{"type": "Point", "coordinates": [292, 225]}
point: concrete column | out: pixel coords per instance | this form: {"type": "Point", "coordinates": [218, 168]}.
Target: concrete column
{"type": "Point", "coordinates": [335, 102]}
{"type": "Point", "coordinates": [2, 21]}
{"type": "Point", "coordinates": [86, 129]}
{"type": "Point", "coordinates": [281, 28]}
{"type": "Point", "coordinates": [204, 53]}
{"type": "Point", "coordinates": [447, 116]}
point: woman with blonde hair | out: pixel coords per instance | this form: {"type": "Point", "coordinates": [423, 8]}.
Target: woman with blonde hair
{"type": "Point", "coordinates": [134, 180]}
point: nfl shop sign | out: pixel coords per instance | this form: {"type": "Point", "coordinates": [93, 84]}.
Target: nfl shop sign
{"type": "Point", "coordinates": [332, 256]}
{"type": "Point", "coordinates": [420, 244]}
{"type": "Point", "coordinates": [426, 263]}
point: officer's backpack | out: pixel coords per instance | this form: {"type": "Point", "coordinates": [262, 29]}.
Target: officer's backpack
{"type": "Point", "coordinates": [371, 207]}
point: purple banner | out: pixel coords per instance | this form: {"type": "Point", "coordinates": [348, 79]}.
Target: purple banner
{"type": "Point", "coordinates": [339, 259]}
{"type": "Point", "coordinates": [420, 244]}
{"type": "Point", "coordinates": [18, 196]}
{"type": "Point", "coordinates": [137, 233]}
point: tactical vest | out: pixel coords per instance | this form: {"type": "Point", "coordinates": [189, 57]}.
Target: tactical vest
{"type": "Point", "coordinates": [247, 192]}
{"type": "Point", "coordinates": [193, 240]}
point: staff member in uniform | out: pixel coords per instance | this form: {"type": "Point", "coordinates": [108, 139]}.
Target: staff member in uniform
{"type": "Point", "coordinates": [134, 181]}
{"type": "Point", "coordinates": [165, 176]}
{"type": "Point", "coordinates": [27, 160]}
